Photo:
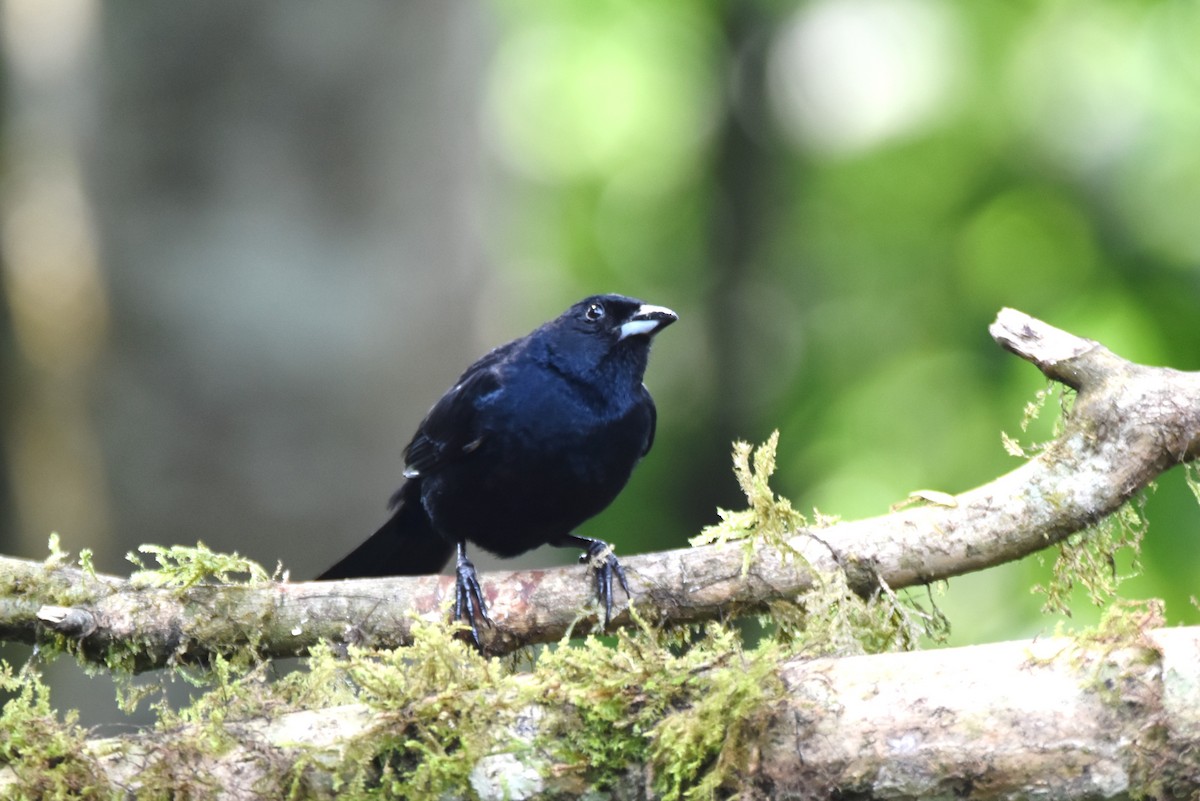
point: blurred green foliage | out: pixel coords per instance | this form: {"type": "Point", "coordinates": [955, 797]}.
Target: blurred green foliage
{"type": "Point", "coordinates": [838, 196]}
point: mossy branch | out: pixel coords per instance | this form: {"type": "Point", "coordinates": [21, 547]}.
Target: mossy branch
{"type": "Point", "coordinates": [1129, 424]}
{"type": "Point", "coordinates": [1115, 713]}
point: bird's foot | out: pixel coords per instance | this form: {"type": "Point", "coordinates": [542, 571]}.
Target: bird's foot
{"type": "Point", "coordinates": [468, 597]}
{"type": "Point", "coordinates": [600, 556]}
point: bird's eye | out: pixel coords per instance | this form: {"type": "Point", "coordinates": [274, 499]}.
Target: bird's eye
{"type": "Point", "coordinates": [594, 312]}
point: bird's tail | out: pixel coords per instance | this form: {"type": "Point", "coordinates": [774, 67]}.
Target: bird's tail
{"type": "Point", "coordinates": [406, 545]}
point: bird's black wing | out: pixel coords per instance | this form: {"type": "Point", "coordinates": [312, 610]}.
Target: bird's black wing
{"type": "Point", "coordinates": [451, 429]}
{"type": "Point", "coordinates": [649, 401]}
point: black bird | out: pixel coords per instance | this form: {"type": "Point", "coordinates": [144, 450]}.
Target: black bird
{"type": "Point", "coordinates": [536, 437]}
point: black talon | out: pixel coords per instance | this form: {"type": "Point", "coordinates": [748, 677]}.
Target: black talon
{"type": "Point", "coordinates": [600, 555]}
{"type": "Point", "coordinates": [468, 595]}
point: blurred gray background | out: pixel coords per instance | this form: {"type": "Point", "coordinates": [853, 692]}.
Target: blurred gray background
{"type": "Point", "coordinates": [257, 256]}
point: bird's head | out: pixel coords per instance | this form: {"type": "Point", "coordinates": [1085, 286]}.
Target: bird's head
{"type": "Point", "coordinates": [607, 329]}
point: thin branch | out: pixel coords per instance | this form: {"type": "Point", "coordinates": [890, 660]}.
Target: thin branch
{"type": "Point", "coordinates": [1129, 424]}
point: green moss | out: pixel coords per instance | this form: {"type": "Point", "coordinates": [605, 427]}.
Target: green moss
{"type": "Point", "coordinates": [440, 703]}
{"type": "Point", "coordinates": [235, 693]}
{"type": "Point", "coordinates": [58, 557]}
{"type": "Point", "coordinates": [1089, 559]}
{"type": "Point", "coordinates": [705, 746]}
{"type": "Point", "coordinates": [1086, 559]}
{"type": "Point", "coordinates": [688, 702]}
{"type": "Point", "coordinates": [1033, 410]}
{"type": "Point", "coordinates": [831, 618]}
{"type": "Point", "coordinates": [44, 754]}
{"type": "Point", "coordinates": [1126, 623]}
{"type": "Point", "coordinates": [183, 567]}
{"type": "Point", "coordinates": [54, 585]}
{"type": "Point", "coordinates": [689, 710]}
{"type": "Point", "coordinates": [770, 520]}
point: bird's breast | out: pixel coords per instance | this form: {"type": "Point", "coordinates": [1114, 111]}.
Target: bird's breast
{"type": "Point", "coordinates": [583, 448]}
{"type": "Point", "coordinates": [541, 468]}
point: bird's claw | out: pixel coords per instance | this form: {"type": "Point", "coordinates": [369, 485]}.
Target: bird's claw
{"type": "Point", "coordinates": [468, 598]}
{"type": "Point", "coordinates": [604, 562]}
